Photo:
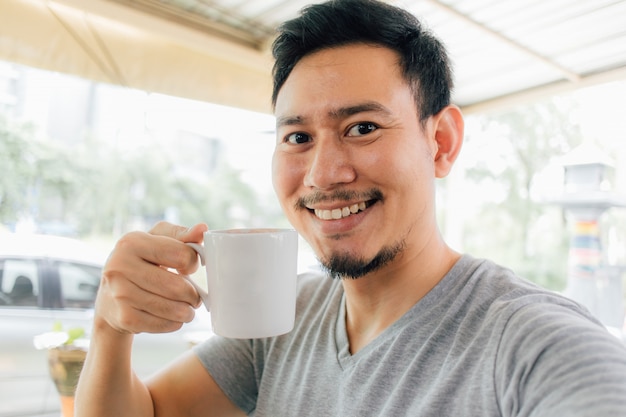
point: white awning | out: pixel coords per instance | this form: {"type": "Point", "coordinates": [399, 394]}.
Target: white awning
{"type": "Point", "coordinates": [503, 50]}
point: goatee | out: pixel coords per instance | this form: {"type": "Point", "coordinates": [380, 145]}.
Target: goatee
{"type": "Point", "coordinates": [347, 266]}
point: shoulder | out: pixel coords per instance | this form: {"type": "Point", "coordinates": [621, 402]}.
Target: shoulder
{"type": "Point", "coordinates": [537, 325]}
{"type": "Point", "coordinates": [507, 293]}
{"type": "Point", "coordinates": [499, 299]}
{"type": "Point", "coordinates": [544, 342]}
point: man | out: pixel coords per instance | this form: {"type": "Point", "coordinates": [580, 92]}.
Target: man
{"type": "Point", "coordinates": [401, 324]}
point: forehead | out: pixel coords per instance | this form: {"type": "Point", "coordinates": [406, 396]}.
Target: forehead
{"type": "Point", "coordinates": [352, 73]}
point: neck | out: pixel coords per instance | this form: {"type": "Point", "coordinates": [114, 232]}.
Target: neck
{"type": "Point", "coordinates": [377, 300]}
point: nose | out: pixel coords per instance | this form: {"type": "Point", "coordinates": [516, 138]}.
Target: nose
{"type": "Point", "coordinates": [330, 164]}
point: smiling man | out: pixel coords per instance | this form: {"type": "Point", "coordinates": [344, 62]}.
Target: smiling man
{"type": "Point", "coordinates": [352, 160]}
{"type": "Point", "coordinates": [399, 323]}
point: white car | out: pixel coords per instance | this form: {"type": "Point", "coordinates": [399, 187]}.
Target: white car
{"type": "Point", "coordinates": [45, 280]}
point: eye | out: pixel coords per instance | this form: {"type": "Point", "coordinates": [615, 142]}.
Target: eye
{"type": "Point", "coordinates": [298, 138]}
{"type": "Point", "coordinates": [361, 129]}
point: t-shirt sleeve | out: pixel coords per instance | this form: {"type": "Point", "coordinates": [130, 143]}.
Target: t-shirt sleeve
{"type": "Point", "coordinates": [230, 363]}
{"type": "Point", "coordinates": [555, 361]}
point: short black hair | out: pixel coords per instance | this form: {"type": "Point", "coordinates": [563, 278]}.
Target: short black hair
{"type": "Point", "coordinates": [423, 58]}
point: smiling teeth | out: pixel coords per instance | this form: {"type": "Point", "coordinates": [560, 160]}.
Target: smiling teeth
{"type": "Point", "coordinates": [339, 213]}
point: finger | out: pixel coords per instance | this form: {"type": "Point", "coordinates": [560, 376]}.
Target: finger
{"type": "Point", "coordinates": [179, 261]}
{"type": "Point", "coordinates": [133, 308]}
{"type": "Point", "coordinates": [138, 283]}
{"type": "Point", "coordinates": [183, 234]}
{"type": "Point", "coordinates": [156, 249]}
{"type": "Point", "coordinates": [146, 262]}
{"type": "Point", "coordinates": [163, 309]}
{"type": "Point", "coordinates": [152, 324]}
{"type": "Point", "coordinates": [127, 318]}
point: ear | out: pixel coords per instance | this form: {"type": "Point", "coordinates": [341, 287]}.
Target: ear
{"type": "Point", "coordinates": [448, 130]}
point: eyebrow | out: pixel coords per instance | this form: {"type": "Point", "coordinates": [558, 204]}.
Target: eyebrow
{"type": "Point", "coordinates": [341, 112]}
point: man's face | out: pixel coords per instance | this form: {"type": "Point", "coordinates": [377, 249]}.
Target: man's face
{"type": "Point", "coordinates": [353, 168]}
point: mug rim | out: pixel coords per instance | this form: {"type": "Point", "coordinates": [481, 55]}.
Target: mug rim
{"type": "Point", "coordinates": [247, 230]}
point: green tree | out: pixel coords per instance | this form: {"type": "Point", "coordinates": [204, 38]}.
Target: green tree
{"type": "Point", "coordinates": [16, 168]}
{"type": "Point", "coordinates": [100, 190]}
{"type": "Point", "coordinates": [146, 185]}
{"type": "Point", "coordinates": [529, 136]}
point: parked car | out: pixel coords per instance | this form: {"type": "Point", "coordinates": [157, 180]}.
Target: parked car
{"type": "Point", "coordinates": [45, 280]}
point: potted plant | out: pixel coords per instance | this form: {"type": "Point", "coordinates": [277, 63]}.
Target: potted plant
{"type": "Point", "coordinates": [66, 356]}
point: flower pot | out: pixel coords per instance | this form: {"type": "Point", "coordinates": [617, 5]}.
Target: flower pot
{"type": "Point", "coordinates": [65, 364]}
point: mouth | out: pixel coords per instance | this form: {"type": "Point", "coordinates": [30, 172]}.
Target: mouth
{"type": "Point", "coordinates": [341, 212]}
{"type": "Point", "coordinates": [339, 204]}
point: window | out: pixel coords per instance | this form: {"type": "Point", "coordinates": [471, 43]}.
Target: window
{"type": "Point", "coordinates": [19, 282]}
{"type": "Point", "coordinates": [79, 284]}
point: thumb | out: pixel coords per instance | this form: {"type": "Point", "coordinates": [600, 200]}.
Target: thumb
{"type": "Point", "coordinates": [181, 233]}
{"type": "Point", "coordinates": [193, 234]}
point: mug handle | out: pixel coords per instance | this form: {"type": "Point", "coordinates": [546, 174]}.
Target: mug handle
{"type": "Point", "coordinates": [201, 292]}
{"type": "Point", "coordinates": [199, 250]}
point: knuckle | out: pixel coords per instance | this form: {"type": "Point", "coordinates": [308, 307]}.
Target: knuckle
{"type": "Point", "coordinates": [169, 326]}
{"type": "Point", "coordinates": [111, 276]}
{"type": "Point", "coordinates": [161, 225]}
{"type": "Point", "coordinates": [128, 241]}
{"type": "Point", "coordinates": [190, 315]}
{"type": "Point", "coordinates": [178, 312]}
{"type": "Point", "coordinates": [183, 257]}
{"type": "Point", "coordinates": [186, 314]}
{"type": "Point", "coordinates": [167, 229]}
{"type": "Point", "coordinates": [127, 322]}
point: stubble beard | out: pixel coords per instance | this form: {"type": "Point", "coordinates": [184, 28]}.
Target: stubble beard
{"type": "Point", "coordinates": [349, 266]}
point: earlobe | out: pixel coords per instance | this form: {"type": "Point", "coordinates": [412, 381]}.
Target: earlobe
{"type": "Point", "coordinates": [448, 130]}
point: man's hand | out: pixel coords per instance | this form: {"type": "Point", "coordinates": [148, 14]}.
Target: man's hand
{"type": "Point", "coordinates": [139, 292]}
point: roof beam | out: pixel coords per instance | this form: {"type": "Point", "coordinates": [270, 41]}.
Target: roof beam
{"type": "Point", "coordinates": [537, 93]}
{"type": "Point", "coordinates": [570, 75]}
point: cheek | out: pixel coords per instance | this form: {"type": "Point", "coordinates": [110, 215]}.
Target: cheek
{"type": "Point", "coordinates": [277, 176]}
{"type": "Point", "coordinates": [409, 170]}
{"type": "Point", "coordinates": [393, 164]}
{"type": "Point", "coordinates": [285, 176]}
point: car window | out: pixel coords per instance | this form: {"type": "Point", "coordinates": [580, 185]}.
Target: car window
{"type": "Point", "coordinates": [79, 284]}
{"type": "Point", "coordinates": [19, 283]}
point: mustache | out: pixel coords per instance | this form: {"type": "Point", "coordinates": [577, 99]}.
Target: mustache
{"type": "Point", "coordinates": [338, 195]}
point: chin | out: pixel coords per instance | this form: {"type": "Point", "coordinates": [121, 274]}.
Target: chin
{"type": "Point", "coordinates": [352, 266]}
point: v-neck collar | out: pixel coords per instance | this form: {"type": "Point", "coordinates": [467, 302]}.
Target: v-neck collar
{"type": "Point", "coordinates": [423, 306]}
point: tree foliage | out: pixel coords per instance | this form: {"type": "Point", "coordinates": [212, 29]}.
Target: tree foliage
{"type": "Point", "coordinates": [516, 230]}
{"type": "Point", "coordinates": [99, 190]}
{"type": "Point", "coordinates": [16, 167]}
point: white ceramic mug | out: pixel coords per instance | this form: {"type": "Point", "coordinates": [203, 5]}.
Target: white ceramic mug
{"type": "Point", "coordinates": [251, 281]}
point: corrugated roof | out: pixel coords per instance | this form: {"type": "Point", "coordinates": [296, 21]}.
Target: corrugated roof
{"type": "Point", "coordinates": [501, 49]}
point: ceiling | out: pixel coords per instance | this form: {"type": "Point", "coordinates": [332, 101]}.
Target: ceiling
{"type": "Point", "coordinates": [503, 51]}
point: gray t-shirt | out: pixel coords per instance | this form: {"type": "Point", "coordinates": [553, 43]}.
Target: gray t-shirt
{"type": "Point", "coordinates": [483, 342]}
